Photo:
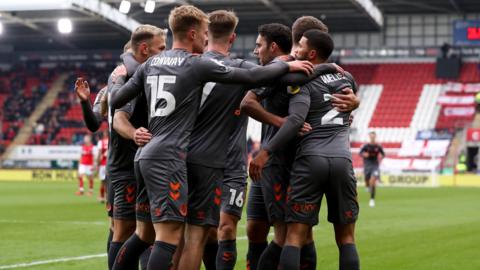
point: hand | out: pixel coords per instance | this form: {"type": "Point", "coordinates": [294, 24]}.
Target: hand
{"type": "Point", "coordinates": [141, 136]}
{"type": "Point", "coordinates": [285, 57]}
{"type": "Point", "coordinates": [120, 71]}
{"type": "Point", "coordinates": [347, 101]}
{"type": "Point", "coordinates": [338, 68]}
{"type": "Point", "coordinates": [82, 89]}
{"type": "Point", "coordinates": [365, 154]}
{"type": "Point", "coordinates": [301, 66]}
{"type": "Point", "coordinates": [305, 129]}
{"type": "Point", "coordinates": [257, 164]}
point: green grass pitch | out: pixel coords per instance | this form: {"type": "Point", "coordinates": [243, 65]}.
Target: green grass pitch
{"type": "Point", "coordinates": [410, 228]}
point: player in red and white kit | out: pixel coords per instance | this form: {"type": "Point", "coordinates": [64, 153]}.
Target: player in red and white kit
{"type": "Point", "coordinates": [102, 147]}
{"type": "Point", "coordinates": [85, 166]}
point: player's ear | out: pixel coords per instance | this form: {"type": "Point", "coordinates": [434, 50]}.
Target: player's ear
{"type": "Point", "coordinates": [312, 54]}
{"type": "Point", "coordinates": [273, 46]}
{"type": "Point", "coordinates": [232, 39]}
{"type": "Point", "coordinates": [192, 34]}
{"type": "Point", "coordinates": [143, 48]}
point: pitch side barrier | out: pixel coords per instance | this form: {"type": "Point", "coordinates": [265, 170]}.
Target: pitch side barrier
{"type": "Point", "coordinates": [423, 179]}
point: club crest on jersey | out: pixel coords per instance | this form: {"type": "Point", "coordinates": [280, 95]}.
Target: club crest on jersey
{"type": "Point", "coordinates": [218, 62]}
{"type": "Point", "coordinates": [293, 90]}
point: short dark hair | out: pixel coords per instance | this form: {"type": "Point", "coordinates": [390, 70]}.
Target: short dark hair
{"type": "Point", "coordinates": [305, 23]}
{"type": "Point", "coordinates": [222, 23]}
{"type": "Point", "coordinates": [278, 33]}
{"type": "Point", "coordinates": [320, 42]}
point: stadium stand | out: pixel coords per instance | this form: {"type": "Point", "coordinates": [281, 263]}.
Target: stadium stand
{"type": "Point", "coordinates": [396, 108]}
{"type": "Point", "coordinates": [20, 91]}
{"type": "Point", "coordinates": [63, 122]}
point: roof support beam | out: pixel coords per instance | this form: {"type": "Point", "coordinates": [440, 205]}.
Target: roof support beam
{"type": "Point", "coordinates": [422, 6]}
{"type": "Point", "coordinates": [277, 10]}
{"type": "Point", "coordinates": [371, 10]}
{"type": "Point", "coordinates": [33, 26]}
{"type": "Point", "coordinates": [92, 7]}
{"type": "Point", "coordinates": [456, 6]}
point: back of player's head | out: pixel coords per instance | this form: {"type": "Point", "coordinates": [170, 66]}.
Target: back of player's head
{"type": "Point", "coordinates": [278, 33]}
{"type": "Point", "coordinates": [305, 23]}
{"type": "Point", "coordinates": [222, 24]}
{"type": "Point", "coordinates": [183, 18]}
{"type": "Point", "coordinates": [127, 46]}
{"type": "Point", "coordinates": [319, 41]}
{"type": "Point", "coordinates": [145, 32]}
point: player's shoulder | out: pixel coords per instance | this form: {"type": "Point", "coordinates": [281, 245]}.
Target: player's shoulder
{"type": "Point", "coordinates": [349, 76]}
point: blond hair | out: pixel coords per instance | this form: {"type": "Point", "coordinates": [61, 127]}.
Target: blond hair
{"type": "Point", "coordinates": [183, 18]}
{"type": "Point", "coordinates": [222, 23]}
{"type": "Point", "coordinates": [145, 32]}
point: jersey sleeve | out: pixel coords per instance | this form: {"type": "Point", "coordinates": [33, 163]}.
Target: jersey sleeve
{"type": "Point", "coordinates": [129, 107]}
{"type": "Point", "coordinates": [93, 116]}
{"type": "Point", "coordinates": [121, 95]}
{"type": "Point", "coordinates": [130, 63]}
{"type": "Point", "coordinates": [381, 151]}
{"type": "Point", "coordinates": [299, 78]}
{"type": "Point", "coordinates": [299, 106]}
{"type": "Point", "coordinates": [363, 149]}
{"type": "Point", "coordinates": [211, 70]}
{"type": "Point", "coordinates": [352, 81]}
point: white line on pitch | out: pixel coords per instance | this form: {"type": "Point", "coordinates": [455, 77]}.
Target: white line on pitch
{"type": "Point", "coordinates": [68, 259]}
{"type": "Point", "coordinates": [80, 258]}
{"type": "Point", "coordinates": [17, 221]}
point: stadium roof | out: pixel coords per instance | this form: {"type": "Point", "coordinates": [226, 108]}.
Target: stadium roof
{"type": "Point", "coordinates": [97, 24]}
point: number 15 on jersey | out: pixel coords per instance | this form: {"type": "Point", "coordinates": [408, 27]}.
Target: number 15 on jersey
{"type": "Point", "coordinates": [157, 85]}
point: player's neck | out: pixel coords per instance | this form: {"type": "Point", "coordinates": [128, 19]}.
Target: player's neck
{"type": "Point", "coordinates": [316, 61]}
{"type": "Point", "coordinates": [220, 48]}
{"type": "Point", "coordinates": [180, 45]}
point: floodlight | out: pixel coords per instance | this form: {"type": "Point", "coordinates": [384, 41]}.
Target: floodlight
{"type": "Point", "coordinates": [149, 6]}
{"type": "Point", "coordinates": [64, 26]}
{"type": "Point", "coordinates": [124, 7]}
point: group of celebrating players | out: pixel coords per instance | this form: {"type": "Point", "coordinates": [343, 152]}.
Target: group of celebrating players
{"type": "Point", "coordinates": [177, 155]}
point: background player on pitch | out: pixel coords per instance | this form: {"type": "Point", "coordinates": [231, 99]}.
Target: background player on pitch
{"type": "Point", "coordinates": [322, 162]}
{"type": "Point", "coordinates": [102, 151]}
{"type": "Point", "coordinates": [85, 166]}
{"type": "Point", "coordinates": [371, 153]}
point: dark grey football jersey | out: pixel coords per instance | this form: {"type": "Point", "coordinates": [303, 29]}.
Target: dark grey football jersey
{"type": "Point", "coordinates": [275, 100]}
{"type": "Point", "coordinates": [172, 82]}
{"type": "Point", "coordinates": [217, 117]}
{"type": "Point", "coordinates": [330, 129]}
{"type": "Point", "coordinates": [122, 151]}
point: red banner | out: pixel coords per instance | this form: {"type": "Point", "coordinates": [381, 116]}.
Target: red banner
{"type": "Point", "coordinates": [473, 135]}
{"type": "Point", "coordinates": [459, 111]}
{"type": "Point", "coordinates": [456, 100]}
{"type": "Point", "coordinates": [462, 87]}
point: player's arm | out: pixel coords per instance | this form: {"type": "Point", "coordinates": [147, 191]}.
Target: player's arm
{"type": "Point", "coordinates": [363, 151]}
{"type": "Point", "coordinates": [129, 90]}
{"type": "Point", "coordinates": [297, 113]}
{"type": "Point", "coordinates": [91, 116]}
{"type": "Point", "coordinates": [251, 106]}
{"type": "Point", "coordinates": [382, 152]}
{"type": "Point", "coordinates": [122, 125]}
{"type": "Point", "coordinates": [212, 71]}
{"type": "Point", "coordinates": [99, 153]}
{"type": "Point", "coordinates": [347, 101]}
{"type": "Point", "coordinates": [298, 78]}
